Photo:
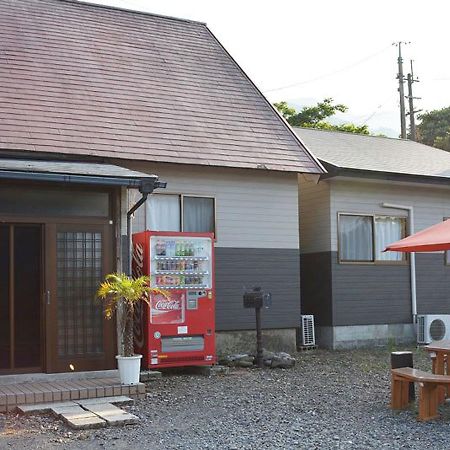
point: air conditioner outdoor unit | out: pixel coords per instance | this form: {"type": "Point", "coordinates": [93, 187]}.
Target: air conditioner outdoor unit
{"type": "Point", "coordinates": [432, 327]}
{"type": "Point", "coordinates": [307, 328]}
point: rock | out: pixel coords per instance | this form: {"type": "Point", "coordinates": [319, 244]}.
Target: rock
{"type": "Point", "coordinates": [238, 360]}
{"type": "Point", "coordinates": [283, 362]}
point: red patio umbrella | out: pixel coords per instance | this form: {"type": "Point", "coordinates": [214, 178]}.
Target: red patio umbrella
{"type": "Point", "coordinates": [432, 239]}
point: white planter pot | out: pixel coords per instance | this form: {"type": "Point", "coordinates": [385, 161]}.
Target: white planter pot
{"type": "Point", "coordinates": [129, 368]}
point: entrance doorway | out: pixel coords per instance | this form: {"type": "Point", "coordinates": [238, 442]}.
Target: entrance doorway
{"type": "Point", "coordinates": [21, 333]}
{"type": "Point", "coordinates": [78, 336]}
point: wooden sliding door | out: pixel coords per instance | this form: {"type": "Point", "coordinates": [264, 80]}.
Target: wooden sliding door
{"type": "Point", "coordinates": [79, 337]}
{"type": "Point", "coordinates": [21, 308]}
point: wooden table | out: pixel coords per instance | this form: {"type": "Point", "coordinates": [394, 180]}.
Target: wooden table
{"type": "Point", "coordinates": [440, 363]}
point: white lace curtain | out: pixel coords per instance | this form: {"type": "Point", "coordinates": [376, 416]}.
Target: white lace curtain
{"type": "Point", "coordinates": [163, 213]}
{"type": "Point", "coordinates": [387, 231]}
{"type": "Point", "coordinates": [356, 237]}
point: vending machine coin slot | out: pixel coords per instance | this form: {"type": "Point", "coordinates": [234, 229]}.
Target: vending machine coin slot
{"type": "Point", "coordinates": [192, 300]}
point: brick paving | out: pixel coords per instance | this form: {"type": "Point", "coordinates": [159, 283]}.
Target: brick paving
{"type": "Point", "coordinates": [14, 395]}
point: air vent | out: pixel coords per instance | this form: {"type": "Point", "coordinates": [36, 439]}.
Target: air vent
{"type": "Point", "coordinates": [437, 330]}
{"type": "Point", "coordinates": [307, 327]}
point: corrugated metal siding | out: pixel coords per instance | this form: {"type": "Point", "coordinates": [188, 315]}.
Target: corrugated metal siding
{"type": "Point", "coordinates": [314, 200]}
{"type": "Point", "coordinates": [275, 270]}
{"type": "Point", "coordinates": [255, 209]}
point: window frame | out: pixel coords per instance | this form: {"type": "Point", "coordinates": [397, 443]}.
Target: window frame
{"type": "Point", "coordinates": [181, 205]}
{"type": "Point", "coordinates": [374, 261]}
{"type": "Point", "coordinates": [445, 252]}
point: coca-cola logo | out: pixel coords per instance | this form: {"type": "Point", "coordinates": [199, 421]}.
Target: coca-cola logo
{"type": "Point", "coordinates": [168, 305]}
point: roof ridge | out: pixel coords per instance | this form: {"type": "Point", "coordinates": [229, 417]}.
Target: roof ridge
{"type": "Point", "coordinates": [351, 133]}
{"type": "Point", "coordinates": [369, 136]}
{"type": "Point", "coordinates": [134, 11]}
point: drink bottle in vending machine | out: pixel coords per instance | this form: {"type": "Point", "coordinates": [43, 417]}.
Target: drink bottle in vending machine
{"type": "Point", "coordinates": [177, 328]}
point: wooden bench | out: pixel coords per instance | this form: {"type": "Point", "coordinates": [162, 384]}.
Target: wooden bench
{"type": "Point", "coordinates": [429, 384]}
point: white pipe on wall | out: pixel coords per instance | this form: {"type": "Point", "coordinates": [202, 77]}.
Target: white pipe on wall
{"type": "Point", "coordinates": [412, 259]}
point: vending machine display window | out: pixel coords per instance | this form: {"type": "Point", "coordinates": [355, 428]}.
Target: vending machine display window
{"type": "Point", "coordinates": [176, 329]}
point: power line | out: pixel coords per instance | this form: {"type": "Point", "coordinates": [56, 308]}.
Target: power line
{"type": "Point", "coordinates": [377, 109]}
{"type": "Point", "coordinates": [328, 74]}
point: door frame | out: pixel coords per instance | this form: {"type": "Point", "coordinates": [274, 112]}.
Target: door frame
{"type": "Point", "coordinates": [111, 224]}
{"type": "Point", "coordinates": [11, 279]}
{"type": "Point", "coordinates": [53, 362]}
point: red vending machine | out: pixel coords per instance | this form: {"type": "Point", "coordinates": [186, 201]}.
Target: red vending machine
{"type": "Point", "coordinates": [179, 330]}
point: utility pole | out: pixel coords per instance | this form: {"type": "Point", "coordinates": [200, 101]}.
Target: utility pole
{"type": "Point", "coordinates": [411, 98]}
{"type": "Point", "coordinates": [401, 81]}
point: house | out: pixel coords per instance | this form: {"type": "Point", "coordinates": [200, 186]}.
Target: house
{"type": "Point", "coordinates": [376, 191]}
{"type": "Point", "coordinates": [97, 104]}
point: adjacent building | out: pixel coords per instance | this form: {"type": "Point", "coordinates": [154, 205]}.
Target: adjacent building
{"type": "Point", "coordinates": [374, 191]}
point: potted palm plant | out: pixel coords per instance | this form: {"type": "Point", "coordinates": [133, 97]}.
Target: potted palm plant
{"type": "Point", "coordinates": [120, 289]}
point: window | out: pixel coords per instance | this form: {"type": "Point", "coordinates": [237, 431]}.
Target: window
{"type": "Point", "coordinates": [167, 212]}
{"type": "Point", "coordinates": [447, 252]}
{"type": "Point", "coordinates": [163, 212]}
{"type": "Point", "coordinates": [198, 214]}
{"type": "Point", "coordinates": [362, 238]}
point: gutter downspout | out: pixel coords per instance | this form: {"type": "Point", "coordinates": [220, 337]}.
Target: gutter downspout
{"type": "Point", "coordinates": [145, 189]}
{"type": "Point", "coordinates": [412, 259]}
{"type": "Point", "coordinates": [140, 202]}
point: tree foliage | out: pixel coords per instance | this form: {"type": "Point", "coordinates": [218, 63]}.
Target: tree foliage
{"type": "Point", "coordinates": [434, 128]}
{"type": "Point", "coordinates": [119, 288]}
{"type": "Point", "coordinates": [314, 116]}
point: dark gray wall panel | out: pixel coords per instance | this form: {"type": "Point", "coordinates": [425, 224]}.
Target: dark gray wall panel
{"type": "Point", "coordinates": [275, 270]}
{"type": "Point", "coordinates": [433, 284]}
{"type": "Point", "coordinates": [370, 294]}
{"type": "Point", "coordinates": [316, 287]}
{"type": "Point", "coordinates": [362, 294]}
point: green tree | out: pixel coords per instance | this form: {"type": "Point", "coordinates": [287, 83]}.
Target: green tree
{"type": "Point", "coordinates": [120, 288]}
{"type": "Point", "coordinates": [314, 116]}
{"type": "Point", "coordinates": [434, 128]}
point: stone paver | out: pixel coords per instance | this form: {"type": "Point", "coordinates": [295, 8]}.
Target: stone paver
{"type": "Point", "coordinates": [121, 419]}
{"type": "Point", "coordinates": [40, 408]}
{"type": "Point", "coordinates": [65, 410]}
{"type": "Point", "coordinates": [88, 421]}
{"type": "Point", "coordinates": [113, 415]}
{"type": "Point", "coordinates": [87, 413]}
{"type": "Point", "coordinates": [117, 400]}
{"type": "Point", "coordinates": [105, 409]}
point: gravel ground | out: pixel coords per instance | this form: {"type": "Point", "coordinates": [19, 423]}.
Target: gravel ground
{"type": "Point", "coordinates": [331, 400]}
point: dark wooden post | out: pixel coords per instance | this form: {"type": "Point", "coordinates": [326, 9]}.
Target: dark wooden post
{"type": "Point", "coordinates": [404, 359]}
{"type": "Point", "coordinates": [259, 349]}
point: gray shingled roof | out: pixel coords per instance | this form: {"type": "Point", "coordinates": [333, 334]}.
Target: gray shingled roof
{"type": "Point", "coordinates": [69, 168]}
{"type": "Point", "coordinates": [374, 153]}
{"type": "Point", "coordinates": [98, 81]}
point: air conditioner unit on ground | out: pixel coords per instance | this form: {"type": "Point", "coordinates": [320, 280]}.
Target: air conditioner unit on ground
{"type": "Point", "coordinates": [432, 327]}
{"type": "Point", "coordinates": [307, 330]}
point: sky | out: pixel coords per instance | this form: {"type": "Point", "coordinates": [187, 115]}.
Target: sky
{"type": "Point", "coordinates": [304, 51]}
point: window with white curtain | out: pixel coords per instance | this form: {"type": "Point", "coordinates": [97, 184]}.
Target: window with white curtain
{"type": "Point", "coordinates": [163, 212]}
{"type": "Point", "coordinates": [388, 230]}
{"type": "Point", "coordinates": [198, 214]}
{"type": "Point", "coordinates": [362, 238]}
{"type": "Point", "coordinates": [173, 212]}
{"type": "Point", "coordinates": [355, 238]}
